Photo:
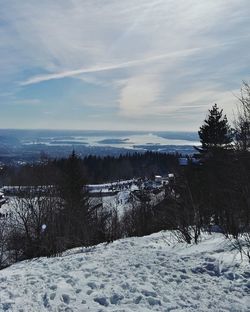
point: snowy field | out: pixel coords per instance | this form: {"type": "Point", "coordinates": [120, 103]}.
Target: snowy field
{"type": "Point", "coordinates": [135, 274]}
{"type": "Point", "coordinates": [120, 202]}
{"type": "Point", "coordinates": [123, 201]}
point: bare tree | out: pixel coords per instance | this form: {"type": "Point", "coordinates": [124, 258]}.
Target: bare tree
{"type": "Point", "coordinates": [5, 255]}
{"type": "Point", "coordinates": [34, 221]}
{"type": "Point", "coordinates": [242, 120]}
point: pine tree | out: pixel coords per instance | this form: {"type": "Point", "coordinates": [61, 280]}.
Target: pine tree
{"type": "Point", "coordinates": [75, 202]}
{"type": "Point", "coordinates": [215, 134]}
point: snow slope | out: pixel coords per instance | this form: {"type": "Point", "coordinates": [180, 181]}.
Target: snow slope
{"type": "Point", "coordinates": [151, 273]}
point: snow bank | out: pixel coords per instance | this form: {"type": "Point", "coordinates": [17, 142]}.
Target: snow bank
{"type": "Point", "coordinates": [152, 273]}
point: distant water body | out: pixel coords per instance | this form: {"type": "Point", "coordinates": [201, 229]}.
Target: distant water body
{"type": "Point", "coordinates": [97, 136]}
{"type": "Point", "coordinates": [98, 142]}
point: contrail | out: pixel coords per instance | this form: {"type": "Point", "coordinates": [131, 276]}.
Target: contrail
{"type": "Point", "coordinates": [137, 62]}
{"type": "Point", "coordinates": [100, 68]}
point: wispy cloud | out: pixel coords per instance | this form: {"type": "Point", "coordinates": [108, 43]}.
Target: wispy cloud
{"type": "Point", "coordinates": [26, 101]}
{"type": "Point", "coordinates": [132, 63]}
{"type": "Point", "coordinates": [138, 95]}
{"type": "Point", "coordinates": [72, 73]}
{"type": "Point", "coordinates": [152, 57]}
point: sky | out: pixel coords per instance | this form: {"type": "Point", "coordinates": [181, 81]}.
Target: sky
{"type": "Point", "coordinates": [121, 65]}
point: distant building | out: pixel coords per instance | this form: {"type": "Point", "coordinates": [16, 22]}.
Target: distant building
{"type": "Point", "coordinates": [183, 161]}
{"type": "Point", "coordinates": [158, 178]}
{"type": "Point", "coordinates": [170, 176]}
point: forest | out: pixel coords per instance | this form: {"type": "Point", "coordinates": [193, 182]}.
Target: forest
{"type": "Point", "coordinates": [94, 169]}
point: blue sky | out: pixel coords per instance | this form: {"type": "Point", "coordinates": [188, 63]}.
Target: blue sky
{"type": "Point", "coordinates": [120, 65]}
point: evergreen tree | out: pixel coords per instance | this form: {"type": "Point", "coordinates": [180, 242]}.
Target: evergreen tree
{"type": "Point", "coordinates": [75, 210]}
{"type": "Point", "coordinates": [215, 134]}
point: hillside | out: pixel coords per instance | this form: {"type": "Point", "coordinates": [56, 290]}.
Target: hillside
{"type": "Point", "coordinates": [152, 273]}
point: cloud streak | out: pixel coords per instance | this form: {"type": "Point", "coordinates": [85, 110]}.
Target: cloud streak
{"type": "Point", "coordinates": [132, 63]}
{"type": "Point", "coordinates": [72, 73]}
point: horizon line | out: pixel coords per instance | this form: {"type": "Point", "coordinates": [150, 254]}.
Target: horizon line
{"type": "Point", "coordinates": [96, 130]}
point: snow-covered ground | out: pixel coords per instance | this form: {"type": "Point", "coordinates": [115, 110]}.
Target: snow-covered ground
{"type": "Point", "coordinates": [152, 273]}
{"type": "Point", "coordinates": [124, 200]}
{"type": "Point", "coordinates": [121, 199]}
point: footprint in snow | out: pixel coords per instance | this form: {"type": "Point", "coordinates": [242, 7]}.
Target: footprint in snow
{"type": "Point", "coordinates": [52, 296]}
{"type": "Point", "coordinates": [65, 298]}
{"type": "Point", "coordinates": [116, 298]}
{"type": "Point", "coordinates": [92, 285]}
{"type": "Point", "coordinates": [102, 301]}
{"type": "Point", "coordinates": [87, 275]}
{"type": "Point", "coordinates": [53, 287]}
{"type": "Point", "coordinates": [71, 282]}
{"type": "Point", "coordinates": [153, 301]}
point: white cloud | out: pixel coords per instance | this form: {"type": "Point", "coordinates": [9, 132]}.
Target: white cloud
{"type": "Point", "coordinates": [139, 95]}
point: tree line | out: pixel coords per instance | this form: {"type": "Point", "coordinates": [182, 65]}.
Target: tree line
{"type": "Point", "coordinates": [94, 169]}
